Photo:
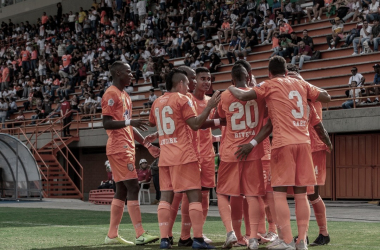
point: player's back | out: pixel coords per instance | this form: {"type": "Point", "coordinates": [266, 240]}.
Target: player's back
{"type": "Point", "coordinates": [118, 105]}
{"type": "Point", "coordinates": [286, 99]}
{"type": "Point", "coordinates": [244, 121]}
{"type": "Point", "coordinates": [169, 113]}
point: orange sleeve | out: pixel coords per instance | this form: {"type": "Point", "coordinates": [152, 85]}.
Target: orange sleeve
{"type": "Point", "coordinates": [314, 119]}
{"type": "Point", "coordinates": [109, 100]}
{"type": "Point", "coordinates": [151, 116]}
{"type": "Point", "coordinates": [187, 108]}
{"type": "Point", "coordinates": [261, 90]}
{"type": "Point", "coordinates": [312, 92]}
{"type": "Point", "coordinates": [221, 112]}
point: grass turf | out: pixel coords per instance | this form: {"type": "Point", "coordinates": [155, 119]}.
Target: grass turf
{"type": "Point", "coordinates": [30, 228]}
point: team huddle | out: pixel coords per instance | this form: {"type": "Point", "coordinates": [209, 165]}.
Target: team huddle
{"type": "Point", "coordinates": [255, 175]}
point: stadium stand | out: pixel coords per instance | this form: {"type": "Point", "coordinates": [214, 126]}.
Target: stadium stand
{"type": "Point", "coordinates": [67, 55]}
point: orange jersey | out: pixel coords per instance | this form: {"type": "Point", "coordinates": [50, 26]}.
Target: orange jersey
{"type": "Point", "coordinates": [25, 55]}
{"type": "Point", "coordinates": [5, 76]}
{"type": "Point", "coordinates": [314, 119]}
{"type": "Point", "coordinates": [244, 121]}
{"type": "Point", "coordinates": [266, 144]}
{"type": "Point", "coordinates": [66, 60]}
{"type": "Point", "coordinates": [118, 105]}
{"type": "Point", "coordinates": [169, 114]}
{"type": "Point", "coordinates": [286, 99]}
{"type": "Point", "coordinates": [206, 149]}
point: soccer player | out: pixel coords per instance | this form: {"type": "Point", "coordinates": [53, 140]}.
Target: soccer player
{"type": "Point", "coordinates": [291, 162]}
{"type": "Point", "coordinates": [320, 143]}
{"type": "Point", "coordinates": [117, 111]}
{"type": "Point", "coordinates": [175, 116]}
{"type": "Point", "coordinates": [235, 178]}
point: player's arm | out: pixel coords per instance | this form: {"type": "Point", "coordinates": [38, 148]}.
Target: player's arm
{"type": "Point", "coordinates": [153, 150]}
{"type": "Point", "coordinates": [196, 122]}
{"type": "Point", "coordinates": [214, 123]}
{"type": "Point", "coordinates": [323, 96]}
{"type": "Point", "coordinates": [323, 135]}
{"type": "Point", "coordinates": [245, 149]}
{"type": "Point", "coordinates": [241, 94]}
{"type": "Point", "coordinates": [110, 124]}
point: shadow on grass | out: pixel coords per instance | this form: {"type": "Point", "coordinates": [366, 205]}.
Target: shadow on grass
{"type": "Point", "coordinates": [37, 217]}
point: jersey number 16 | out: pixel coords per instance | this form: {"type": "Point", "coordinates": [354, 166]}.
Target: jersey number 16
{"type": "Point", "coordinates": [167, 126]}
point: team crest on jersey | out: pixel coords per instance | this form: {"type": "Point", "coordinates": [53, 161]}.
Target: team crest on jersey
{"type": "Point", "coordinates": [127, 115]}
{"type": "Point", "coordinates": [258, 85]}
{"type": "Point", "coordinates": [111, 102]}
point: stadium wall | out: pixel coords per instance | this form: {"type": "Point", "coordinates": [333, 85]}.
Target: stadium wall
{"type": "Point", "coordinates": [31, 10]}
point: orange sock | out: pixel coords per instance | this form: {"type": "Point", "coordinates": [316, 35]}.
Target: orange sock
{"type": "Point", "coordinates": [246, 218]}
{"type": "Point", "coordinates": [225, 211]}
{"type": "Point", "coordinates": [254, 215]}
{"type": "Point", "coordinates": [320, 215]}
{"type": "Point", "coordinates": [185, 219]}
{"type": "Point", "coordinates": [117, 210]}
{"type": "Point", "coordinates": [163, 214]}
{"type": "Point", "coordinates": [302, 215]}
{"type": "Point", "coordinates": [272, 225]}
{"type": "Point", "coordinates": [283, 216]}
{"type": "Point", "coordinates": [205, 203]}
{"type": "Point", "coordinates": [272, 211]}
{"type": "Point", "coordinates": [135, 214]}
{"type": "Point", "coordinates": [174, 211]}
{"type": "Point", "coordinates": [196, 217]}
{"type": "Point", "coordinates": [262, 224]}
{"type": "Point", "coordinates": [237, 214]}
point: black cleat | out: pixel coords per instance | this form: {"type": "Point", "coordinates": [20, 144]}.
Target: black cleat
{"type": "Point", "coordinates": [171, 240]}
{"type": "Point", "coordinates": [185, 243]}
{"type": "Point", "coordinates": [296, 237]}
{"type": "Point", "coordinates": [321, 240]}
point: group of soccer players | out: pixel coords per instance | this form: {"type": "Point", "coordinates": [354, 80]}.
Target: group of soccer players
{"type": "Point", "coordinates": [254, 177]}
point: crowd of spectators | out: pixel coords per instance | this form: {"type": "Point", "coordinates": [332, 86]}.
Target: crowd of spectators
{"type": "Point", "coordinates": [44, 62]}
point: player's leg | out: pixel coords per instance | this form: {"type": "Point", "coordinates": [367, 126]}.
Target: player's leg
{"type": "Point", "coordinates": [117, 210]}
{"type": "Point", "coordinates": [133, 206]}
{"type": "Point", "coordinates": [262, 230]}
{"type": "Point", "coordinates": [185, 240]}
{"type": "Point", "coordinates": [173, 213]}
{"type": "Point", "coordinates": [246, 219]}
{"type": "Point", "coordinates": [163, 210]}
{"type": "Point", "coordinates": [283, 171]}
{"type": "Point", "coordinates": [228, 184]}
{"type": "Point", "coordinates": [236, 203]}
{"type": "Point", "coordinates": [319, 161]}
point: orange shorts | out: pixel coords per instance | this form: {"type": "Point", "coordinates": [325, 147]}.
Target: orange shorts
{"type": "Point", "coordinates": [207, 172]}
{"type": "Point", "coordinates": [319, 161]}
{"type": "Point", "coordinates": [309, 190]}
{"type": "Point", "coordinates": [119, 165]}
{"type": "Point", "coordinates": [267, 175]}
{"type": "Point", "coordinates": [241, 178]}
{"type": "Point", "coordinates": [292, 165]}
{"type": "Point", "coordinates": [180, 178]}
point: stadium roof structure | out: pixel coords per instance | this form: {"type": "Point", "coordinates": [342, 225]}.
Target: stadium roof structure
{"type": "Point", "coordinates": [19, 174]}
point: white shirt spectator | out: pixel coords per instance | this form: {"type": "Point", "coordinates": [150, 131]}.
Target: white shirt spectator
{"type": "Point", "coordinates": [356, 78]}
{"type": "Point", "coordinates": [71, 18]}
{"type": "Point", "coordinates": [357, 94]}
{"type": "Point", "coordinates": [146, 54]}
{"type": "Point", "coordinates": [88, 100]}
{"type": "Point", "coordinates": [141, 6]}
{"type": "Point", "coordinates": [3, 109]}
{"type": "Point", "coordinates": [369, 30]}
{"type": "Point", "coordinates": [109, 3]}
{"type": "Point", "coordinates": [373, 7]}
{"type": "Point", "coordinates": [152, 98]}
{"type": "Point", "coordinates": [271, 22]}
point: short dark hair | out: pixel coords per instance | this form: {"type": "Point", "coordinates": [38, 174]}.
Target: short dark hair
{"type": "Point", "coordinates": [172, 79]}
{"type": "Point", "coordinates": [245, 64]}
{"type": "Point", "coordinates": [237, 73]}
{"type": "Point", "coordinates": [291, 67]}
{"type": "Point", "coordinates": [277, 65]}
{"type": "Point", "coordinates": [201, 70]}
{"type": "Point", "coordinates": [304, 30]}
{"type": "Point", "coordinates": [116, 66]}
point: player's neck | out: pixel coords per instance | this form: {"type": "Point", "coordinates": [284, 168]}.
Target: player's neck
{"type": "Point", "coordinates": [200, 95]}
{"type": "Point", "coordinates": [118, 85]}
{"type": "Point", "coordinates": [241, 85]}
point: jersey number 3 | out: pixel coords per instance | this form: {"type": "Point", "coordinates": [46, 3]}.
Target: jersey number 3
{"type": "Point", "coordinates": [167, 126]}
{"type": "Point", "coordinates": [295, 113]}
{"type": "Point", "coordinates": [244, 109]}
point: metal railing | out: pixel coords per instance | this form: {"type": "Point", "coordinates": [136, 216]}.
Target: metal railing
{"type": "Point", "coordinates": [354, 98]}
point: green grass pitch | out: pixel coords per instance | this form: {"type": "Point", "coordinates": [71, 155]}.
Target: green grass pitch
{"type": "Point", "coordinates": [23, 228]}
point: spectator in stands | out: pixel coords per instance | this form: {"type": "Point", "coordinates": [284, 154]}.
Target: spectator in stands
{"type": "Point", "coordinates": [152, 98]}
{"type": "Point", "coordinates": [156, 181]}
{"type": "Point", "coordinates": [359, 79]}
{"type": "Point", "coordinates": [376, 82]}
{"type": "Point", "coordinates": [86, 106]}
{"type": "Point", "coordinates": [374, 11]}
{"type": "Point", "coordinates": [336, 35]}
{"type": "Point", "coordinates": [351, 5]}
{"type": "Point", "coordinates": [353, 33]}
{"type": "Point", "coordinates": [231, 48]}
{"type": "Point", "coordinates": [20, 117]}
{"type": "Point", "coordinates": [304, 54]}
{"type": "Point", "coordinates": [365, 35]}
{"type": "Point", "coordinates": [317, 9]}
{"type": "Point", "coordinates": [375, 34]}
{"type": "Point", "coordinates": [215, 62]}
{"type": "Point", "coordinates": [354, 93]}
{"type": "Point", "coordinates": [12, 109]}
{"type": "Point", "coordinates": [285, 28]}
{"type": "Point", "coordinates": [225, 30]}
{"type": "Point", "coordinates": [25, 55]}
{"type": "Point", "coordinates": [144, 173]}
{"type": "Point", "coordinates": [268, 27]}
{"type": "Point", "coordinates": [3, 111]}
{"type": "Point", "coordinates": [6, 76]}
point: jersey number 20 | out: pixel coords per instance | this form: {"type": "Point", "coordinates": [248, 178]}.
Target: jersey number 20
{"type": "Point", "coordinates": [244, 109]}
{"type": "Point", "coordinates": [167, 126]}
